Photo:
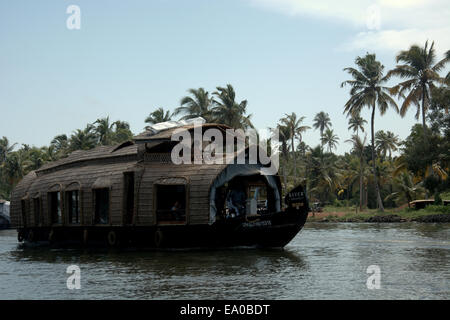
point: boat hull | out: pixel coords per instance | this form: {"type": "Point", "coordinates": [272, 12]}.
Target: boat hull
{"type": "Point", "coordinates": [271, 230]}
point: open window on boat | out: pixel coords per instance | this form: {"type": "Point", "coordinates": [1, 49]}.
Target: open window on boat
{"type": "Point", "coordinates": [37, 208]}
{"type": "Point", "coordinates": [24, 209]}
{"type": "Point", "coordinates": [72, 198]}
{"type": "Point", "coordinates": [128, 197]}
{"type": "Point", "coordinates": [101, 201]}
{"type": "Point", "coordinates": [101, 195]}
{"type": "Point", "coordinates": [54, 201]}
{"type": "Point", "coordinates": [171, 201]}
{"type": "Point", "coordinates": [54, 204]}
{"type": "Point", "coordinates": [73, 206]}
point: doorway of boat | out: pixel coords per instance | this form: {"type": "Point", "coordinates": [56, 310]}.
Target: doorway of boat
{"type": "Point", "coordinates": [246, 197]}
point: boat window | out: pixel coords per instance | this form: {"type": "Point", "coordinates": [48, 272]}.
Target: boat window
{"type": "Point", "coordinates": [24, 213]}
{"type": "Point", "coordinates": [171, 203]}
{"type": "Point", "coordinates": [73, 206]}
{"type": "Point", "coordinates": [37, 211]}
{"type": "Point", "coordinates": [101, 197]}
{"type": "Point", "coordinates": [128, 196]}
{"type": "Point", "coordinates": [54, 200]}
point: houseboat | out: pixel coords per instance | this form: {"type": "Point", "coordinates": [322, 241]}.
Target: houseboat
{"type": "Point", "coordinates": [132, 194]}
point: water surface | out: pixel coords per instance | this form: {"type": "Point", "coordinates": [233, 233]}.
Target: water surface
{"type": "Point", "coordinates": [324, 261]}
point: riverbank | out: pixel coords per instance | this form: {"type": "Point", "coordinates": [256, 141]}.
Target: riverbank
{"type": "Point", "coordinates": [440, 214]}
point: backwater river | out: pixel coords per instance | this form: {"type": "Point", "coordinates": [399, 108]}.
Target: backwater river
{"type": "Point", "coordinates": [324, 261]}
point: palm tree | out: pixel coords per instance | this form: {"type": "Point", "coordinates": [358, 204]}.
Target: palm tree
{"type": "Point", "coordinates": [283, 136]}
{"type": "Point", "coordinates": [447, 56]}
{"type": "Point", "coordinates": [159, 115]}
{"type": "Point", "coordinates": [5, 149]}
{"type": "Point", "coordinates": [367, 90]}
{"type": "Point", "coordinates": [330, 139]}
{"type": "Point", "coordinates": [322, 121]}
{"type": "Point", "coordinates": [228, 111]}
{"type": "Point", "coordinates": [60, 143]}
{"type": "Point", "coordinates": [121, 132]}
{"type": "Point", "coordinates": [358, 149]}
{"type": "Point", "coordinates": [197, 106]}
{"type": "Point", "coordinates": [104, 130]}
{"type": "Point", "coordinates": [121, 125]}
{"type": "Point", "coordinates": [356, 123]}
{"type": "Point", "coordinates": [407, 189]}
{"type": "Point", "coordinates": [386, 143]}
{"type": "Point", "coordinates": [421, 72]}
{"type": "Point", "coordinates": [323, 179]}
{"type": "Point", "coordinates": [295, 130]}
{"type": "Point", "coordinates": [83, 139]}
{"type": "Point", "coordinates": [16, 166]}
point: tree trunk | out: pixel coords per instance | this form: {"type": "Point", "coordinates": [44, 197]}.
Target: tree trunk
{"type": "Point", "coordinates": [361, 187]}
{"type": "Point", "coordinates": [366, 199]}
{"type": "Point", "coordinates": [321, 145]}
{"type": "Point", "coordinates": [380, 203]}
{"type": "Point", "coordinates": [424, 124]}
{"type": "Point", "coordinates": [295, 160]}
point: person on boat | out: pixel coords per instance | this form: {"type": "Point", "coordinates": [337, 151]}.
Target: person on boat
{"type": "Point", "coordinates": [176, 210]}
{"type": "Point", "coordinates": [236, 200]}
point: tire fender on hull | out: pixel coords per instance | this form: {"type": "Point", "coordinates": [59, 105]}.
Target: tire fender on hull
{"type": "Point", "coordinates": [112, 238]}
{"type": "Point", "coordinates": [159, 238]}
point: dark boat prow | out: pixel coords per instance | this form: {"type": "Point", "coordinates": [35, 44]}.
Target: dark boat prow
{"type": "Point", "coordinates": [273, 230]}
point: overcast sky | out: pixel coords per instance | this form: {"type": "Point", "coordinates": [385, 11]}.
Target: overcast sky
{"type": "Point", "coordinates": [131, 57]}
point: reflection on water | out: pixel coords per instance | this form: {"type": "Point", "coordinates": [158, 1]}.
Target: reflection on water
{"type": "Point", "coordinates": [325, 261]}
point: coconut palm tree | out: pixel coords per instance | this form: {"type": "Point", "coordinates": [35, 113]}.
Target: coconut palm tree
{"type": "Point", "coordinates": [368, 90]}
{"type": "Point", "coordinates": [227, 111]}
{"type": "Point", "coordinates": [386, 143]}
{"type": "Point", "coordinates": [295, 131]}
{"type": "Point", "coordinates": [283, 136]}
{"type": "Point", "coordinates": [121, 132]}
{"type": "Point", "coordinates": [60, 143]}
{"type": "Point", "coordinates": [83, 139]}
{"type": "Point", "coordinates": [16, 166]}
{"type": "Point", "coordinates": [5, 149]}
{"type": "Point", "coordinates": [322, 121]}
{"type": "Point", "coordinates": [447, 56]}
{"type": "Point", "coordinates": [323, 178]}
{"type": "Point", "coordinates": [159, 115]}
{"type": "Point", "coordinates": [407, 189]}
{"type": "Point", "coordinates": [199, 105]}
{"type": "Point", "coordinates": [118, 125]}
{"type": "Point", "coordinates": [356, 123]}
{"type": "Point", "coordinates": [421, 72]}
{"type": "Point", "coordinates": [104, 130]}
{"type": "Point", "coordinates": [330, 139]}
{"type": "Point", "coordinates": [358, 149]}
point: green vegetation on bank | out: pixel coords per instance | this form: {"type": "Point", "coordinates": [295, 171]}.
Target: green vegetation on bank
{"type": "Point", "coordinates": [432, 213]}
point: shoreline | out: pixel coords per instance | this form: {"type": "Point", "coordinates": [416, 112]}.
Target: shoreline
{"type": "Point", "coordinates": [378, 217]}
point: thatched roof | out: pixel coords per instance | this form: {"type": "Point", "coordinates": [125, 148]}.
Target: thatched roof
{"type": "Point", "coordinates": [167, 134]}
{"type": "Point", "coordinates": [102, 152]}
